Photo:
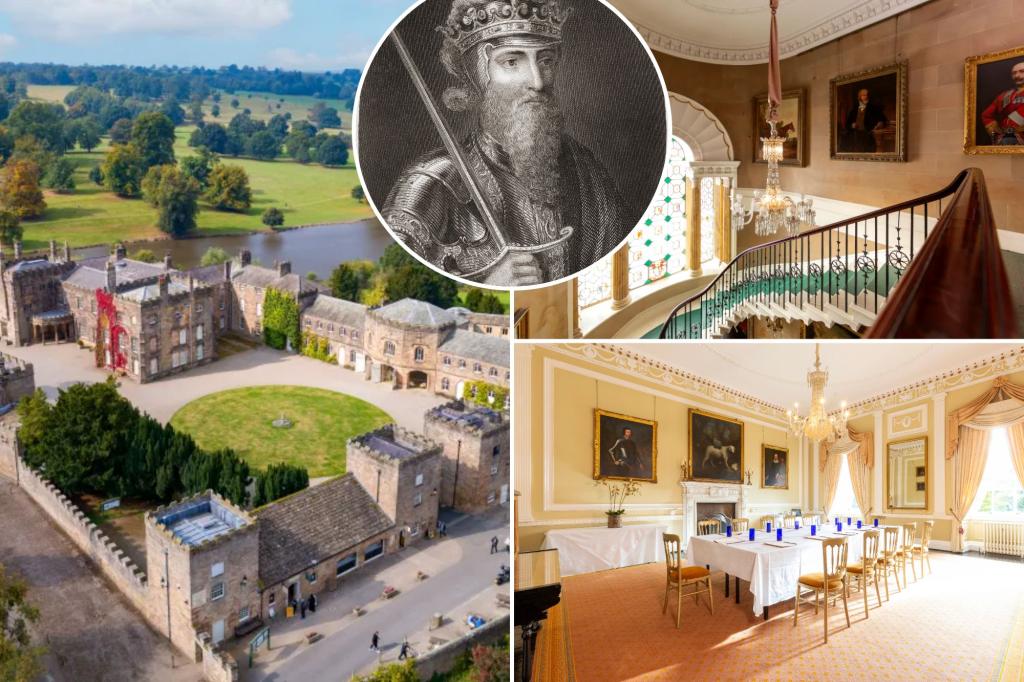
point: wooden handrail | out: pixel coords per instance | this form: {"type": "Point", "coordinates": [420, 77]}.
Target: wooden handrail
{"type": "Point", "coordinates": [934, 196]}
{"type": "Point", "coordinates": [956, 286]}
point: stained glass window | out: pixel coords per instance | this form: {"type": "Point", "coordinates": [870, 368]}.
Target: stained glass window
{"type": "Point", "coordinates": [595, 284]}
{"type": "Point", "coordinates": [707, 219]}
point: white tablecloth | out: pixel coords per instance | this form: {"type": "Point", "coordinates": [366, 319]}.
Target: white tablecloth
{"type": "Point", "coordinates": [582, 550]}
{"type": "Point", "coordinates": [771, 571]}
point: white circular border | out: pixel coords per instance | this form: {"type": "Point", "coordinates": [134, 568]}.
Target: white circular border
{"type": "Point", "coordinates": [467, 282]}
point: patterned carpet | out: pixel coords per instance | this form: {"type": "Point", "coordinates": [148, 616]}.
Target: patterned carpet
{"type": "Point", "coordinates": [965, 621]}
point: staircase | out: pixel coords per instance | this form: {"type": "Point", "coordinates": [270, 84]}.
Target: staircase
{"type": "Point", "coordinates": [929, 267]}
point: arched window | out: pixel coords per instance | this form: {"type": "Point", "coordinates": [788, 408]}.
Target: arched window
{"type": "Point", "coordinates": [389, 348]}
{"type": "Point", "coordinates": [445, 384]}
{"type": "Point", "coordinates": [418, 354]}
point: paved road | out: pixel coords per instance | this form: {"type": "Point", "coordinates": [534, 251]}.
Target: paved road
{"type": "Point", "coordinates": [470, 569]}
{"type": "Point", "coordinates": [92, 633]}
{"type": "Point", "coordinates": [58, 366]}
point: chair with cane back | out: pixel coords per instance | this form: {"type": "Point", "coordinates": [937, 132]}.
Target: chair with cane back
{"type": "Point", "coordinates": [679, 576]}
{"type": "Point", "coordinates": [866, 570]}
{"type": "Point", "coordinates": [832, 581]}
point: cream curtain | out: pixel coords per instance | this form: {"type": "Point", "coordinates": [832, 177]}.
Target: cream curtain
{"type": "Point", "coordinates": [833, 464]}
{"type": "Point", "coordinates": [1001, 388]}
{"type": "Point", "coordinates": [862, 461]}
{"type": "Point", "coordinates": [968, 467]}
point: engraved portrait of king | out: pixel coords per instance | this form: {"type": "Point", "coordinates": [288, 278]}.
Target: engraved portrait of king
{"type": "Point", "coordinates": [512, 199]}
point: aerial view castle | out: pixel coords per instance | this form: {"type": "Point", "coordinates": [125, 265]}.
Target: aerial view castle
{"type": "Point", "coordinates": [150, 320]}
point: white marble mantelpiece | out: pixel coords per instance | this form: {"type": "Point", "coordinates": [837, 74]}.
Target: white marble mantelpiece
{"type": "Point", "coordinates": [702, 491]}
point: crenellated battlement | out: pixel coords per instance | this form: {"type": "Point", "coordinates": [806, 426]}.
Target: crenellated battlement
{"type": "Point", "coordinates": [391, 443]}
{"type": "Point", "coordinates": [201, 521]}
{"type": "Point", "coordinates": [459, 416]}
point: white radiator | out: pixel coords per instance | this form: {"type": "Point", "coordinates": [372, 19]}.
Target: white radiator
{"type": "Point", "coordinates": [1004, 537]}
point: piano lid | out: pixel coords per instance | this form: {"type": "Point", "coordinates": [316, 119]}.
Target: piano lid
{"type": "Point", "coordinates": [537, 569]}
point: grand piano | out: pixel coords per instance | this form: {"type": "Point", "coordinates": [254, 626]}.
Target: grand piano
{"type": "Point", "coordinates": [538, 589]}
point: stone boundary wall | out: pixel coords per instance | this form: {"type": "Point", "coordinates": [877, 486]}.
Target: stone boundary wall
{"type": "Point", "coordinates": [129, 579]}
{"type": "Point", "coordinates": [218, 666]}
{"type": "Point", "coordinates": [9, 448]}
{"type": "Point", "coordinates": [443, 658]}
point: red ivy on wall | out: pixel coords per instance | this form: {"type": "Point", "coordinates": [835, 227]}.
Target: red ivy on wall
{"type": "Point", "coordinates": [106, 309]}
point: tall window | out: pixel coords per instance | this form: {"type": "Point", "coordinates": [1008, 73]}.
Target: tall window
{"type": "Point", "coordinates": [845, 503]}
{"type": "Point", "coordinates": [1000, 493]}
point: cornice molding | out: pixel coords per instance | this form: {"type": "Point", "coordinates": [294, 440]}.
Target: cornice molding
{"type": "Point", "coordinates": [652, 370]}
{"type": "Point", "coordinates": [862, 15]}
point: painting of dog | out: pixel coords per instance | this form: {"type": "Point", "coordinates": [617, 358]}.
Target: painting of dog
{"type": "Point", "coordinates": [716, 448]}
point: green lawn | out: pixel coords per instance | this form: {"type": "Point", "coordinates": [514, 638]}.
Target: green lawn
{"type": "Point", "coordinates": [241, 419]}
{"type": "Point", "coordinates": [502, 294]}
{"type": "Point", "coordinates": [49, 93]}
{"type": "Point", "coordinates": [307, 194]}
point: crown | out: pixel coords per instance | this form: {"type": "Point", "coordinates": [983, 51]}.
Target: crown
{"type": "Point", "coordinates": [473, 21]}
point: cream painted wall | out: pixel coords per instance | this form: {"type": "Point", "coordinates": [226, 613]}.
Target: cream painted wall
{"type": "Point", "coordinates": [556, 456]}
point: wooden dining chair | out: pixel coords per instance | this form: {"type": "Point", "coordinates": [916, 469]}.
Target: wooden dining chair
{"type": "Point", "coordinates": [810, 520]}
{"type": "Point", "coordinates": [888, 560]}
{"type": "Point", "coordinates": [906, 554]}
{"type": "Point", "coordinates": [679, 576]}
{"type": "Point", "coordinates": [767, 518]}
{"type": "Point", "coordinates": [919, 550]}
{"type": "Point", "coordinates": [708, 527]}
{"type": "Point", "coordinates": [740, 525]}
{"type": "Point", "coordinates": [830, 582]}
{"type": "Point", "coordinates": [789, 521]}
{"type": "Point", "coordinates": [865, 571]}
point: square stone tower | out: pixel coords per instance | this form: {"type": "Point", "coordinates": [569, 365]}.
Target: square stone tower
{"type": "Point", "coordinates": [475, 468]}
{"type": "Point", "coordinates": [401, 471]}
{"type": "Point", "coordinates": [203, 563]}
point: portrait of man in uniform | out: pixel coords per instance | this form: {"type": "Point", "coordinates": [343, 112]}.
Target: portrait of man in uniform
{"type": "Point", "coordinates": [524, 187]}
{"type": "Point", "coordinates": [624, 447]}
{"type": "Point", "coordinates": [995, 103]}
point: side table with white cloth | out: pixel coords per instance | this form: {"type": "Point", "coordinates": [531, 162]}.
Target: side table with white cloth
{"type": "Point", "coordinates": [583, 550]}
{"type": "Point", "coordinates": [771, 568]}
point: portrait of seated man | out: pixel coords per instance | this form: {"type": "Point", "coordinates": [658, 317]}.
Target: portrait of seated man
{"type": "Point", "coordinates": [552, 206]}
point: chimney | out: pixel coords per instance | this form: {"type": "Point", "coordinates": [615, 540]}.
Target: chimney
{"type": "Point", "coordinates": [167, 261]}
{"type": "Point", "coordinates": [53, 250]}
{"type": "Point", "coordinates": [284, 268]}
{"type": "Point", "coordinates": [162, 282]}
{"type": "Point", "coordinates": [17, 249]}
{"type": "Point", "coordinates": [67, 253]}
{"type": "Point", "coordinates": [227, 271]}
{"type": "Point", "coordinates": [245, 256]}
{"type": "Point", "coordinates": [111, 277]}
{"type": "Point", "coordinates": [119, 252]}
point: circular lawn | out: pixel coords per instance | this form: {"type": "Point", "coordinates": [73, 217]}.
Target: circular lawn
{"type": "Point", "coordinates": [243, 419]}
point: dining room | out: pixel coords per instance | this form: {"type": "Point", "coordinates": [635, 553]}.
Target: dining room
{"type": "Point", "coordinates": [770, 511]}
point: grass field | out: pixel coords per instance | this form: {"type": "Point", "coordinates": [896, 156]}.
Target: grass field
{"type": "Point", "coordinates": [241, 419]}
{"type": "Point", "coordinates": [503, 296]}
{"type": "Point", "coordinates": [307, 195]}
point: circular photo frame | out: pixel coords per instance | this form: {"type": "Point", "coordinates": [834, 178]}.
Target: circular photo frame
{"type": "Point", "coordinates": [511, 144]}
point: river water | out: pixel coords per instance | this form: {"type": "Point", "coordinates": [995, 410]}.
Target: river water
{"type": "Point", "coordinates": [310, 249]}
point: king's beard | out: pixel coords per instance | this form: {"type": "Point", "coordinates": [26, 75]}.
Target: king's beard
{"type": "Point", "coordinates": [528, 125]}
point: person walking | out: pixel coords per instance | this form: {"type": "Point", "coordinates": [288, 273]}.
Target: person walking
{"type": "Point", "coordinates": [494, 545]}
{"type": "Point", "coordinates": [312, 603]}
{"type": "Point", "coordinates": [375, 641]}
{"type": "Point", "coordinates": [444, 529]}
{"type": "Point", "coordinates": [302, 608]}
{"type": "Point", "coordinates": [403, 653]}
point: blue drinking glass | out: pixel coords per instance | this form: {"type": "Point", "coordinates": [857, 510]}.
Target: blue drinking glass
{"type": "Point", "coordinates": [796, 525]}
{"type": "Point", "coordinates": [849, 521]}
{"type": "Point", "coordinates": [728, 531]}
{"type": "Point", "coordinates": [839, 526]}
{"type": "Point", "coordinates": [858, 524]}
{"type": "Point", "coordinates": [778, 534]}
{"type": "Point", "coordinates": [768, 526]}
{"type": "Point", "coordinates": [876, 522]}
{"type": "Point", "coordinates": [750, 534]}
{"type": "Point", "coordinates": [814, 529]}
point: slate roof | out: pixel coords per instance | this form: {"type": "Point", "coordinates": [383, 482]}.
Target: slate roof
{"type": "Point", "coordinates": [315, 524]}
{"type": "Point", "coordinates": [91, 273]}
{"type": "Point", "coordinates": [30, 265]}
{"type": "Point", "coordinates": [267, 278]}
{"type": "Point", "coordinates": [211, 274]}
{"type": "Point", "coordinates": [413, 312]}
{"type": "Point", "coordinates": [475, 346]}
{"type": "Point", "coordinates": [149, 292]}
{"type": "Point", "coordinates": [347, 313]}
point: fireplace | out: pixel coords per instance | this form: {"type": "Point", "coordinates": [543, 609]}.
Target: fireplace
{"type": "Point", "coordinates": [701, 500]}
{"type": "Point", "coordinates": [724, 512]}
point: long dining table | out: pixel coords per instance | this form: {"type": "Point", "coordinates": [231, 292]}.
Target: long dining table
{"type": "Point", "coordinates": [772, 568]}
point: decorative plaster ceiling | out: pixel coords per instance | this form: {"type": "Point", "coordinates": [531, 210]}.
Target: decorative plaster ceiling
{"type": "Point", "coordinates": [777, 372]}
{"type": "Point", "coordinates": [736, 31]}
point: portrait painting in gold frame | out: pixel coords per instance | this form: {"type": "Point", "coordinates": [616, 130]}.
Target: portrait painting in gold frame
{"type": "Point", "coordinates": [994, 103]}
{"type": "Point", "coordinates": [716, 448]}
{"type": "Point", "coordinates": [625, 448]}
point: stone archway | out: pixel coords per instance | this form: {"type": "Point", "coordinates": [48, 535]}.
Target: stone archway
{"type": "Point", "coordinates": [417, 379]}
{"type": "Point", "coordinates": [700, 129]}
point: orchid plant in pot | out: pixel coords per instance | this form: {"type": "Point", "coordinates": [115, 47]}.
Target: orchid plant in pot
{"type": "Point", "coordinates": [617, 494]}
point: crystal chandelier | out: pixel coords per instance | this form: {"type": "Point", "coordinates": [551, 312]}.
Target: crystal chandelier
{"type": "Point", "coordinates": [773, 210]}
{"type": "Point", "coordinates": [818, 425]}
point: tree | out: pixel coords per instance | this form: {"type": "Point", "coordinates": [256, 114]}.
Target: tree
{"type": "Point", "coordinates": [123, 170]}
{"type": "Point", "coordinates": [213, 256]}
{"type": "Point", "coordinates": [277, 481]}
{"type": "Point", "coordinates": [96, 174]}
{"type": "Point", "coordinates": [172, 110]}
{"type": "Point", "coordinates": [229, 188]}
{"type": "Point", "coordinates": [263, 145]}
{"type": "Point", "coordinates": [215, 111]}
{"type": "Point", "coordinates": [297, 146]}
{"type": "Point", "coordinates": [324, 116]}
{"type": "Point", "coordinates": [121, 131]}
{"type": "Point", "coordinates": [200, 166]}
{"type": "Point", "coordinates": [10, 227]}
{"type": "Point", "coordinates": [393, 672]}
{"type": "Point", "coordinates": [358, 194]}
{"type": "Point", "coordinates": [19, 659]}
{"type": "Point", "coordinates": [394, 257]}
{"type": "Point", "coordinates": [153, 136]}
{"type": "Point", "coordinates": [349, 279]}
{"type": "Point", "coordinates": [30, 148]}
{"type": "Point", "coordinates": [332, 152]}
{"type": "Point", "coordinates": [419, 282]}
{"type": "Point", "coordinates": [273, 217]}
{"type": "Point", "coordinates": [35, 411]}
{"type": "Point", "coordinates": [42, 120]}
{"type": "Point", "coordinates": [144, 256]}
{"type": "Point", "coordinates": [60, 177]}
{"type": "Point", "coordinates": [213, 136]}
{"type": "Point", "coordinates": [19, 191]}
{"type": "Point", "coordinates": [87, 134]}
{"type": "Point", "coordinates": [278, 126]}
{"type": "Point", "coordinates": [175, 194]}
{"type": "Point", "coordinates": [234, 102]}
{"type": "Point", "coordinates": [196, 111]}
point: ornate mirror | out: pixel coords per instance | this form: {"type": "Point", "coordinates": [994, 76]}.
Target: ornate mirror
{"type": "Point", "coordinates": [906, 471]}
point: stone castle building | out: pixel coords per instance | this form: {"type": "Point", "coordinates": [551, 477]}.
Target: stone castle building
{"type": "Point", "coordinates": [475, 465]}
{"type": "Point", "coordinates": [147, 321]}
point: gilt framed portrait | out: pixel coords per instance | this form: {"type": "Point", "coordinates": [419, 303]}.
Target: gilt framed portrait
{"type": "Point", "coordinates": [868, 114]}
{"type": "Point", "coordinates": [790, 127]}
{"type": "Point", "coordinates": [625, 447]}
{"type": "Point", "coordinates": [716, 448]}
{"type": "Point", "coordinates": [774, 467]}
{"type": "Point", "coordinates": [994, 103]}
